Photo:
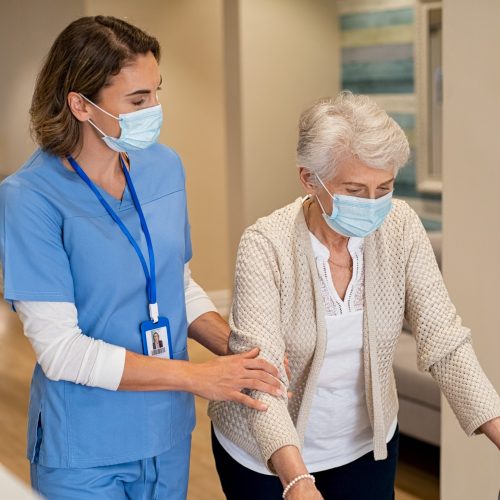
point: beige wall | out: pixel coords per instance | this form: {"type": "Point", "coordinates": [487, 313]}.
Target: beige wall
{"type": "Point", "coordinates": [27, 30]}
{"type": "Point", "coordinates": [194, 58]}
{"type": "Point", "coordinates": [190, 33]}
{"type": "Point", "coordinates": [289, 57]}
{"type": "Point", "coordinates": [470, 467]}
{"type": "Point", "coordinates": [191, 36]}
{"type": "Point", "coordinates": [236, 75]}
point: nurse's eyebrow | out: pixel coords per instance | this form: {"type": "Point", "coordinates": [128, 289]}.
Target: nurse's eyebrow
{"type": "Point", "coordinates": [139, 92]}
{"type": "Point", "coordinates": [142, 91]}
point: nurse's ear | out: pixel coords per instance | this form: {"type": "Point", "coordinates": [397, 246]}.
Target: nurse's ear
{"type": "Point", "coordinates": [79, 107]}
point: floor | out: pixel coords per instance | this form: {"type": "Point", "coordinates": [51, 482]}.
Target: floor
{"type": "Point", "coordinates": [418, 469]}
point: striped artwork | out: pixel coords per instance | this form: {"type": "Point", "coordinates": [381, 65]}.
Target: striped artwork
{"type": "Point", "coordinates": [377, 39]}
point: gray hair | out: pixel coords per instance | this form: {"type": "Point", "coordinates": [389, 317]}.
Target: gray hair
{"type": "Point", "coordinates": [330, 131]}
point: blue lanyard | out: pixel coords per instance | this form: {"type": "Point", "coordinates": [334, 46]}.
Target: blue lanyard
{"type": "Point", "coordinates": [149, 273]}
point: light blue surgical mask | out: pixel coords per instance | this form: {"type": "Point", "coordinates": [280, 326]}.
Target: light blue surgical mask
{"type": "Point", "coordinates": [356, 217]}
{"type": "Point", "coordinates": [139, 129]}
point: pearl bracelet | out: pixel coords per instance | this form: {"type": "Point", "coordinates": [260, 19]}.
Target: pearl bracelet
{"type": "Point", "coordinates": [294, 481]}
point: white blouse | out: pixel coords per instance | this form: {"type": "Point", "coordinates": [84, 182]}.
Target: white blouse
{"type": "Point", "coordinates": [339, 429]}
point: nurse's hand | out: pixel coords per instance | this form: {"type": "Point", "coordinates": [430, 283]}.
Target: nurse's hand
{"type": "Point", "coordinates": [223, 378]}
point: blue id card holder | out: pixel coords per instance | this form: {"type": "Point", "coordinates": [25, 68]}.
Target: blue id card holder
{"type": "Point", "coordinates": [156, 339]}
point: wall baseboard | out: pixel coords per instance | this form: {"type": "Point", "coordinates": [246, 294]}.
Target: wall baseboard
{"type": "Point", "coordinates": [221, 300]}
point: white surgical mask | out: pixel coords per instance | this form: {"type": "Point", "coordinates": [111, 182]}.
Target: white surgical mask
{"type": "Point", "coordinates": [139, 129]}
{"type": "Point", "coordinates": [353, 216]}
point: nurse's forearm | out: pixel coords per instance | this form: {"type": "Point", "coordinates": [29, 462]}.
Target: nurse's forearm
{"type": "Point", "coordinates": [211, 331]}
{"type": "Point", "coordinates": [147, 373]}
{"type": "Point", "coordinates": [220, 379]}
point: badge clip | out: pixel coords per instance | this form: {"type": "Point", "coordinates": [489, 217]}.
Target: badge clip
{"type": "Point", "coordinates": [153, 312]}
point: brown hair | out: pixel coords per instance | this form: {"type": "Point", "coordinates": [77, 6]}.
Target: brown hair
{"type": "Point", "coordinates": [82, 59]}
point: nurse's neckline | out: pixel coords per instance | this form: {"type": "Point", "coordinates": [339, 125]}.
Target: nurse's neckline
{"type": "Point", "coordinates": [64, 163]}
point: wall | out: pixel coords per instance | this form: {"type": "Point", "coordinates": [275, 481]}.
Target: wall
{"type": "Point", "coordinates": [289, 57]}
{"type": "Point", "coordinates": [192, 66]}
{"type": "Point", "coordinates": [194, 59]}
{"type": "Point", "coordinates": [237, 74]}
{"type": "Point", "coordinates": [20, 60]}
{"type": "Point", "coordinates": [191, 37]}
{"type": "Point", "coordinates": [378, 38]}
{"type": "Point", "coordinates": [470, 466]}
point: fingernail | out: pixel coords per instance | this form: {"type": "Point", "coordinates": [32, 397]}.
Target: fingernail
{"type": "Point", "coordinates": [279, 392]}
{"type": "Point", "coordinates": [263, 407]}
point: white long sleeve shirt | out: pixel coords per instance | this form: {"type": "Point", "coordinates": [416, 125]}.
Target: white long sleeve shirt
{"type": "Point", "coordinates": [65, 353]}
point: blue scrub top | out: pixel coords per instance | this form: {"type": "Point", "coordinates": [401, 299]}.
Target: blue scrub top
{"type": "Point", "coordinates": [59, 244]}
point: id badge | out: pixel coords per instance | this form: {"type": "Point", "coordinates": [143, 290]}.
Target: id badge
{"type": "Point", "coordinates": [156, 339]}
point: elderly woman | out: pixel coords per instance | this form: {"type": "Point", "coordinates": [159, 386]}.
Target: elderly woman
{"type": "Point", "coordinates": [329, 279]}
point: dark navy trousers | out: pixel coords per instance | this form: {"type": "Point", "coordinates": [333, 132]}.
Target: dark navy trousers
{"type": "Point", "coordinates": [362, 479]}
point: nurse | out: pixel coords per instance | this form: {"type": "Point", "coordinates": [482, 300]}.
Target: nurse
{"type": "Point", "coordinates": [95, 248]}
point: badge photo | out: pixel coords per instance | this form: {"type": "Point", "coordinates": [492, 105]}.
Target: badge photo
{"type": "Point", "coordinates": [156, 339]}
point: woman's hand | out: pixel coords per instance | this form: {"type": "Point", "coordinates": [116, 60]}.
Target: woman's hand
{"type": "Point", "coordinates": [492, 431]}
{"type": "Point", "coordinates": [223, 378]}
{"type": "Point", "coordinates": [304, 490]}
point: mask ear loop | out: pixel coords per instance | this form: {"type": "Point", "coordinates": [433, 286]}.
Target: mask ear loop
{"type": "Point", "coordinates": [324, 187]}
{"type": "Point", "coordinates": [320, 204]}
{"type": "Point", "coordinates": [99, 108]}
{"type": "Point", "coordinates": [335, 210]}
{"type": "Point", "coordinates": [97, 128]}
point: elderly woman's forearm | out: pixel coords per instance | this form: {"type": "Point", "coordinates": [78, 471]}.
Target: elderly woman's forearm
{"type": "Point", "coordinates": [470, 393]}
{"type": "Point", "coordinates": [491, 429]}
{"type": "Point", "coordinates": [288, 463]}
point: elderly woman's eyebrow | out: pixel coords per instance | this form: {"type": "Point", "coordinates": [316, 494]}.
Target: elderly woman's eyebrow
{"type": "Point", "coordinates": [354, 184]}
{"type": "Point", "coordinates": [360, 184]}
{"type": "Point", "coordinates": [387, 182]}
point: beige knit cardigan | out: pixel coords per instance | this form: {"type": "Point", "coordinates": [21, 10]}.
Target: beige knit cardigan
{"type": "Point", "coordinates": [278, 307]}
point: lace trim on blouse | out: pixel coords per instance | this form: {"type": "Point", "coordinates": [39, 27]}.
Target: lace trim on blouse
{"type": "Point", "coordinates": [354, 298]}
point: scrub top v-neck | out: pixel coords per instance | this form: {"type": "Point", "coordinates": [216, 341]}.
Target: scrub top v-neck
{"type": "Point", "coordinates": [60, 244]}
